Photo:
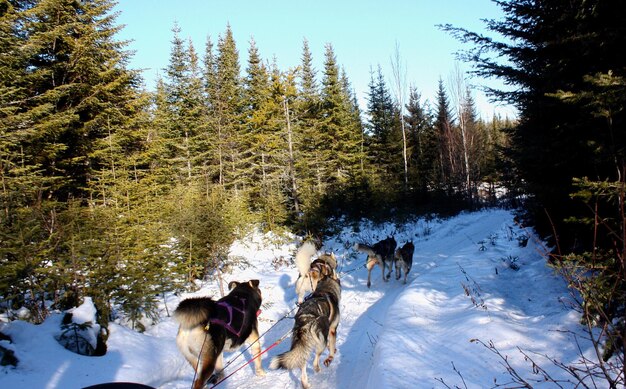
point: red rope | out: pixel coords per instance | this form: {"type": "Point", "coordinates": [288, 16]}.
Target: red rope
{"type": "Point", "coordinates": [252, 359]}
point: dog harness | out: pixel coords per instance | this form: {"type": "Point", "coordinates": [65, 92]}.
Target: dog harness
{"type": "Point", "coordinates": [229, 325]}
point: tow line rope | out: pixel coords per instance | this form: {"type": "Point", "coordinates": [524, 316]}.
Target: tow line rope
{"type": "Point", "coordinates": [246, 349]}
{"type": "Point", "coordinates": [356, 268]}
{"type": "Point", "coordinates": [276, 343]}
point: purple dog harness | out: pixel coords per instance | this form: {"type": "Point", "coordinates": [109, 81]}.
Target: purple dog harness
{"type": "Point", "coordinates": [229, 325]}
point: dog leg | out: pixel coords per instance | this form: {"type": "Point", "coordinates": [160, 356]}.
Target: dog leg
{"type": "Point", "coordinates": [300, 289]}
{"type": "Point", "coordinates": [218, 372]}
{"type": "Point", "coordinates": [256, 351]}
{"type": "Point", "coordinates": [382, 266]}
{"type": "Point", "coordinates": [303, 377]}
{"type": "Point", "coordinates": [370, 265]}
{"type": "Point", "coordinates": [316, 360]}
{"type": "Point", "coordinates": [206, 368]}
{"type": "Point", "coordinates": [332, 346]}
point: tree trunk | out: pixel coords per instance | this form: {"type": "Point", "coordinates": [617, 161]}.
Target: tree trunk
{"type": "Point", "coordinates": [292, 168]}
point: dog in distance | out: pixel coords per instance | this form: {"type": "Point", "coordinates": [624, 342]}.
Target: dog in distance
{"type": "Point", "coordinates": [381, 254]}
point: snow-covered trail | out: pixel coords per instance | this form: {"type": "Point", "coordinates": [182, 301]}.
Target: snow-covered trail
{"type": "Point", "coordinates": [376, 328]}
{"type": "Point", "coordinates": [470, 280]}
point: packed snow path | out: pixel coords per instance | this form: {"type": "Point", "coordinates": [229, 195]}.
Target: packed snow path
{"type": "Point", "coordinates": [470, 280]}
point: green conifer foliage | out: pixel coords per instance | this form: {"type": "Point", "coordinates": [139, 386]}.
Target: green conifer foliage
{"type": "Point", "coordinates": [422, 144]}
{"type": "Point", "coordinates": [385, 137]}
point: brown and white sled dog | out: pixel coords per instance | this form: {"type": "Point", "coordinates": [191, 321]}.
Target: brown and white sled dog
{"type": "Point", "coordinates": [315, 329]}
{"type": "Point", "coordinates": [209, 327]}
{"type": "Point", "coordinates": [381, 254]}
{"type": "Point", "coordinates": [312, 272]}
{"type": "Point", "coordinates": [404, 260]}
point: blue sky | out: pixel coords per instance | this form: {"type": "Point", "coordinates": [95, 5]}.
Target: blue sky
{"type": "Point", "coordinates": [364, 34]}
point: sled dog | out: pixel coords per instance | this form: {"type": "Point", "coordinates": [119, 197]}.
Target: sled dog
{"type": "Point", "coordinates": [315, 328]}
{"type": "Point", "coordinates": [312, 272]}
{"type": "Point", "coordinates": [209, 327]}
{"type": "Point", "coordinates": [381, 254]}
{"type": "Point", "coordinates": [404, 260]}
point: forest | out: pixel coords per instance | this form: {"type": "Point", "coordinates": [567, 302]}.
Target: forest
{"type": "Point", "coordinates": [123, 194]}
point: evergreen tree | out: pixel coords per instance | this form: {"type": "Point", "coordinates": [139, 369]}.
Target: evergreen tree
{"type": "Point", "coordinates": [422, 144]}
{"type": "Point", "coordinates": [385, 145]}
{"type": "Point", "coordinates": [186, 107]}
{"type": "Point", "coordinates": [73, 93]}
{"type": "Point", "coordinates": [227, 105]}
{"type": "Point", "coordinates": [564, 60]}
{"type": "Point", "coordinates": [337, 131]}
{"type": "Point", "coordinates": [446, 138]}
{"type": "Point", "coordinates": [307, 140]}
{"type": "Point", "coordinates": [76, 73]}
{"type": "Point", "coordinates": [258, 120]}
{"type": "Point", "coordinates": [559, 50]}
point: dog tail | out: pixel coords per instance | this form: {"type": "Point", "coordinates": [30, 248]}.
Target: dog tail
{"type": "Point", "coordinates": [365, 249]}
{"type": "Point", "coordinates": [304, 339]}
{"type": "Point", "coordinates": [194, 311]}
{"type": "Point", "coordinates": [303, 257]}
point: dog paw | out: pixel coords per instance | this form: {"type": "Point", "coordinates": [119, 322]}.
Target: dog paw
{"type": "Point", "coordinates": [261, 373]}
{"type": "Point", "coordinates": [328, 360]}
{"type": "Point", "coordinates": [215, 378]}
{"type": "Point", "coordinates": [317, 367]}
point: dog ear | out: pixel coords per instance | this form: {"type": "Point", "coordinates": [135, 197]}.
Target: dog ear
{"type": "Point", "coordinates": [254, 283]}
{"type": "Point", "coordinates": [232, 285]}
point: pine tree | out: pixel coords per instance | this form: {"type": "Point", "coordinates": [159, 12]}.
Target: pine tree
{"type": "Point", "coordinates": [227, 104]}
{"type": "Point", "coordinates": [422, 144]}
{"type": "Point", "coordinates": [258, 124]}
{"type": "Point", "coordinates": [559, 48]}
{"type": "Point", "coordinates": [336, 131]}
{"type": "Point", "coordinates": [564, 61]}
{"type": "Point", "coordinates": [384, 127]}
{"type": "Point", "coordinates": [74, 93]}
{"type": "Point", "coordinates": [186, 107]}
{"type": "Point", "coordinates": [446, 139]}
{"type": "Point", "coordinates": [308, 142]}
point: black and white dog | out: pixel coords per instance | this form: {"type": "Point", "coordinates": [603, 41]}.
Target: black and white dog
{"type": "Point", "coordinates": [208, 327]}
{"type": "Point", "coordinates": [380, 253]}
{"type": "Point", "coordinates": [312, 271]}
{"type": "Point", "coordinates": [315, 329]}
{"type": "Point", "coordinates": [404, 260]}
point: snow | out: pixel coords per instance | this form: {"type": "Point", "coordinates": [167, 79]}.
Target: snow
{"type": "Point", "coordinates": [471, 285]}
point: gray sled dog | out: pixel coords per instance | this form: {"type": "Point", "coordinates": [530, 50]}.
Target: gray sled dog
{"type": "Point", "coordinates": [315, 329]}
{"type": "Point", "coordinates": [381, 254]}
{"type": "Point", "coordinates": [207, 327]}
{"type": "Point", "coordinates": [312, 272]}
{"type": "Point", "coordinates": [404, 260]}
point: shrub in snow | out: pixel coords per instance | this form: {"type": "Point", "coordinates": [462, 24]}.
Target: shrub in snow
{"type": "Point", "coordinates": [79, 331]}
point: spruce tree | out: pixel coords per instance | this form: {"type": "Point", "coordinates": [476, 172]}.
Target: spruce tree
{"type": "Point", "coordinates": [227, 104]}
{"type": "Point", "coordinates": [422, 144]}
{"type": "Point", "coordinates": [74, 92]}
{"type": "Point", "coordinates": [385, 140]}
{"type": "Point", "coordinates": [336, 132]}
{"type": "Point", "coordinates": [446, 139]}
{"type": "Point", "coordinates": [309, 143]}
{"type": "Point", "coordinates": [564, 62]}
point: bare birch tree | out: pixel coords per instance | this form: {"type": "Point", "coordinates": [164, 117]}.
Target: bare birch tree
{"type": "Point", "coordinates": [399, 90]}
{"type": "Point", "coordinates": [457, 94]}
